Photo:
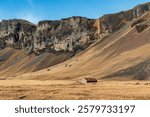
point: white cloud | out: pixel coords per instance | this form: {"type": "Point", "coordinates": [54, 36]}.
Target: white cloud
{"type": "Point", "coordinates": [1, 15]}
{"type": "Point", "coordinates": [29, 16]}
{"type": "Point", "coordinates": [30, 2]}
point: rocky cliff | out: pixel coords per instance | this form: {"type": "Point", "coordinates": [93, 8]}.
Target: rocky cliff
{"type": "Point", "coordinates": [17, 34]}
{"type": "Point", "coordinates": [66, 36]}
{"type": "Point", "coordinates": [45, 44]}
{"type": "Point", "coordinates": [71, 34]}
{"type": "Point", "coordinates": [114, 22]}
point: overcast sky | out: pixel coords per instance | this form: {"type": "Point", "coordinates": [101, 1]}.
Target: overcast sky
{"type": "Point", "coordinates": [36, 10]}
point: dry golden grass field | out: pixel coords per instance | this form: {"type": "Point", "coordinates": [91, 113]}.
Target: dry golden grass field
{"type": "Point", "coordinates": [71, 90]}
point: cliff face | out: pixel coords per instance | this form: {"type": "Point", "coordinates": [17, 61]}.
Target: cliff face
{"type": "Point", "coordinates": [16, 33]}
{"type": "Point", "coordinates": [66, 35]}
{"type": "Point", "coordinates": [72, 34]}
{"type": "Point", "coordinates": [114, 22]}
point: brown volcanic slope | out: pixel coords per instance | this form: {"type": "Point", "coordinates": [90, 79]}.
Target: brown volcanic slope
{"type": "Point", "coordinates": [123, 54]}
{"type": "Point", "coordinates": [15, 62]}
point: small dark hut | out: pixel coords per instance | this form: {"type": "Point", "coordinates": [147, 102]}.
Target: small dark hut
{"type": "Point", "coordinates": [88, 80]}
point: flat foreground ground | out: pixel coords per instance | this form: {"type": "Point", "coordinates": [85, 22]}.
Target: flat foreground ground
{"type": "Point", "coordinates": [71, 90]}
